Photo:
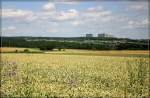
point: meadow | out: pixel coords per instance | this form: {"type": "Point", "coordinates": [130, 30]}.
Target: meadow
{"type": "Point", "coordinates": [75, 73]}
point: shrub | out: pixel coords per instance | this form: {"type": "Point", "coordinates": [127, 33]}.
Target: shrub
{"type": "Point", "coordinates": [16, 51]}
{"type": "Point", "coordinates": [26, 50]}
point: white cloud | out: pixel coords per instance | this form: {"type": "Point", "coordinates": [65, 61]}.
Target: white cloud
{"type": "Point", "coordinates": [46, 15]}
{"type": "Point", "coordinates": [31, 18]}
{"type": "Point", "coordinates": [94, 9]}
{"type": "Point", "coordinates": [68, 2]}
{"type": "Point", "coordinates": [52, 30]}
{"type": "Point", "coordinates": [8, 29]}
{"type": "Point", "coordinates": [19, 15]}
{"type": "Point", "coordinates": [15, 13]}
{"type": "Point", "coordinates": [138, 6]}
{"type": "Point", "coordinates": [48, 12]}
{"type": "Point", "coordinates": [49, 6]}
{"type": "Point", "coordinates": [11, 28]}
{"type": "Point", "coordinates": [96, 14]}
{"type": "Point", "coordinates": [70, 14]}
{"type": "Point", "coordinates": [145, 22]}
{"type": "Point", "coordinates": [138, 24]}
{"type": "Point", "coordinates": [76, 23]}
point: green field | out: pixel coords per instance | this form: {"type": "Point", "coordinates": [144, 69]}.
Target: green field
{"type": "Point", "coordinates": [80, 74]}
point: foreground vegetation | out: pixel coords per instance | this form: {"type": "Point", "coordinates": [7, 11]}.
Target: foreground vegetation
{"type": "Point", "coordinates": [51, 75]}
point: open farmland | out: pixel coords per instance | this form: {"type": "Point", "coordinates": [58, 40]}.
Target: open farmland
{"type": "Point", "coordinates": [15, 49]}
{"type": "Point", "coordinates": [121, 53]}
{"type": "Point", "coordinates": [75, 49]}
{"type": "Point", "coordinates": [55, 75]}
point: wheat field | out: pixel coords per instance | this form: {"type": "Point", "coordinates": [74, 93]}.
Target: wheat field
{"type": "Point", "coordinates": [51, 75]}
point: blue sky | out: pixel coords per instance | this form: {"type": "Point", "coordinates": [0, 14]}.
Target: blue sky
{"type": "Point", "coordinates": [74, 19]}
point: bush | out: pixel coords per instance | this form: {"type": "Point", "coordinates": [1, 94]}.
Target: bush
{"type": "Point", "coordinates": [59, 49]}
{"type": "Point", "coordinates": [16, 51]}
{"type": "Point", "coordinates": [26, 50]}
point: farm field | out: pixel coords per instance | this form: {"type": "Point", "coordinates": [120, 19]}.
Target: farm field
{"type": "Point", "coordinates": [126, 53]}
{"type": "Point", "coordinates": [62, 74]}
{"type": "Point", "coordinates": [15, 49]}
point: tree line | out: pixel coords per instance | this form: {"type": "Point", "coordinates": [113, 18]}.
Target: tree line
{"type": "Point", "coordinates": [50, 45]}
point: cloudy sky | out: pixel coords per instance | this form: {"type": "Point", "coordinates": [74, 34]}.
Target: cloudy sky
{"type": "Point", "coordinates": [128, 19]}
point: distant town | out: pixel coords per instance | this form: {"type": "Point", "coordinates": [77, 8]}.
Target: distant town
{"type": "Point", "coordinates": [100, 35]}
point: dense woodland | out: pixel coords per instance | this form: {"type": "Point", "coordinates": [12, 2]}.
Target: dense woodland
{"type": "Point", "coordinates": [94, 43]}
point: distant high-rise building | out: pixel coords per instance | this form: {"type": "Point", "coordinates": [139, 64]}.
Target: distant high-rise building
{"type": "Point", "coordinates": [104, 35]}
{"type": "Point", "coordinates": [89, 35]}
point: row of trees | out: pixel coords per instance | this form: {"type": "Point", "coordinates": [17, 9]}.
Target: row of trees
{"type": "Point", "coordinates": [50, 45]}
{"type": "Point", "coordinates": [72, 45]}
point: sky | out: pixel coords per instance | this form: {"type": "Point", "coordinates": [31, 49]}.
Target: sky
{"type": "Point", "coordinates": [123, 19]}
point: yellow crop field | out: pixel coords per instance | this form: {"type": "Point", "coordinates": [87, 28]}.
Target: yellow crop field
{"type": "Point", "coordinates": [55, 75]}
{"type": "Point", "coordinates": [7, 49]}
{"type": "Point", "coordinates": [102, 53]}
{"type": "Point", "coordinates": [15, 49]}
